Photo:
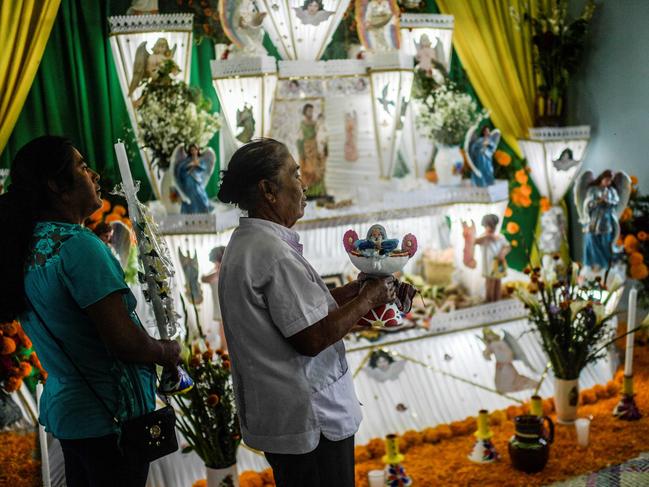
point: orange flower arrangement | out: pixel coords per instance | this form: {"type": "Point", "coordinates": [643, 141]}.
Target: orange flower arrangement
{"type": "Point", "coordinates": [636, 258]}
{"type": "Point", "coordinates": [520, 196]}
{"type": "Point", "coordinates": [18, 362]}
{"type": "Point", "coordinates": [512, 227]}
{"type": "Point", "coordinates": [108, 213]}
{"type": "Point", "coordinates": [544, 204]}
{"type": "Point", "coordinates": [521, 176]}
{"type": "Point", "coordinates": [18, 465]}
{"type": "Point", "coordinates": [502, 158]}
{"type": "Point", "coordinates": [639, 272]}
{"type": "Point", "coordinates": [630, 244]}
{"type": "Point", "coordinates": [508, 212]}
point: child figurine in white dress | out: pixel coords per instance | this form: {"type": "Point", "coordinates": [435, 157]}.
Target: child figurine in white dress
{"type": "Point", "coordinates": [212, 278]}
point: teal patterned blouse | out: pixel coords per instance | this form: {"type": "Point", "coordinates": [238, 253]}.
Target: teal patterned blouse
{"type": "Point", "coordinates": [69, 269]}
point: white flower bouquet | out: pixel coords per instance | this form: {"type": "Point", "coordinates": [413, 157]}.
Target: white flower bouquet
{"type": "Point", "coordinates": [448, 114]}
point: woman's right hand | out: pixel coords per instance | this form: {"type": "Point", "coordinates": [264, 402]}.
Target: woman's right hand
{"type": "Point", "coordinates": [170, 353]}
{"type": "Point", "coordinates": [378, 291]}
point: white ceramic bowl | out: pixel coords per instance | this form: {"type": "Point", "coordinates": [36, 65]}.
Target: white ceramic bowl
{"type": "Point", "coordinates": [379, 266]}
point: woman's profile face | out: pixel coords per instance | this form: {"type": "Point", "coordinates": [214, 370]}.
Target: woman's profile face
{"type": "Point", "coordinates": [84, 196]}
{"type": "Point", "coordinates": [290, 199]}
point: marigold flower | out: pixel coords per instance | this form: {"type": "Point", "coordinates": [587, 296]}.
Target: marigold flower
{"type": "Point", "coordinates": [521, 176]}
{"type": "Point", "coordinates": [13, 383]}
{"type": "Point", "coordinates": [431, 176]}
{"type": "Point", "coordinates": [630, 244]}
{"type": "Point", "coordinates": [626, 215]}
{"type": "Point", "coordinates": [634, 180]}
{"type": "Point", "coordinates": [636, 258]}
{"type": "Point", "coordinates": [508, 212]}
{"type": "Point", "coordinates": [213, 400]}
{"type": "Point", "coordinates": [7, 346]}
{"type": "Point", "coordinates": [643, 236]}
{"type": "Point", "coordinates": [25, 369]}
{"type": "Point", "coordinates": [226, 364]}
{"type": "Point", "coordinates": [9, 328]}
{"type": "Point", "coordinates": [639, 272]}
{"type": "Point", "coordinates": [512, 227]}
{"type": "Point", "coordinates": [544, 204]}
{"type": "Point", "coordinates": [195, 361]}
{"type": "Point", "coordinates": [526, 190]}
{"type": "Point", "coordinates": [207, 355]}
{"type": "Point", "coordinates": [502, 158]}
{"type": "Point", "coordinates": [514, 243]}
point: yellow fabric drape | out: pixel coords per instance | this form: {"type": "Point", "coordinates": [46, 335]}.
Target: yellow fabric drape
{"type": "Point", "coordinates": [496, 53]}
{"type": "Point", "coordinates": [25, 26]}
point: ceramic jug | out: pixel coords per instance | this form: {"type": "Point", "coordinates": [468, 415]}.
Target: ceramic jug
{"type": "Point", "coordinates": [530, 446]}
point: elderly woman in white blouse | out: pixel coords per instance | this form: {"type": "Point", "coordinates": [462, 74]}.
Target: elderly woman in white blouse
{"type": "Point", "coordinates": [284, 328]}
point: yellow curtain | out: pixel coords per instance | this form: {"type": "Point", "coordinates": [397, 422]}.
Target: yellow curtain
{"type": "Point", "coordinates": [25, 26]}
{"type": "Point", "coordinates": [496, 52]}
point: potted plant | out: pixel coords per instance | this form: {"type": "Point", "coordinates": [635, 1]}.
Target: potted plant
{"type": "Point", "coordinates": [558, 44]}
{"type": "Point", "coordinates": [446, 116]}
{"type": "Point", "coordinates": [572, 320]}
{"type": "Point", "coordinates": [207, 415]}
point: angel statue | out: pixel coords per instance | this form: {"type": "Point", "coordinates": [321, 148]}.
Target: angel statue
{"type": "Point", "coordinates": [189, 265]}
{"type": "Point", "coordinates": [600, 202]}
{"type": "Point", "coordinates": [480, 148]}
{"type": "Point", "coordinates": [379, 24]}
{"type": "Point", "coordinates": [242, 21]}
{"type": "Point", "coordinates": [430, 59]}
{"type": "Point", "coordinates": [192, 170]}
{"type": "Point", "coordinates": [147, 66]}
{"type": "Point", "coordinates": [312, 12]}
{"type": "Point", "coordinates": [506, 349]}
{"type": "Point", "coordinates": [383, 367]}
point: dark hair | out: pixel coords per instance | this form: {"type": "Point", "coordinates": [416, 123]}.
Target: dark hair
{"type": "Point", "coordinates": [490, 220]}
{"type": "Point", "coordinates": [216, 254]}
{"type": "Point", "coordinates": [309, 2]}
{"type": "Point", "coordinates": [257, 160]}
{"type": "Point", "coordinates": [306, 107]}
{"type": "Point", "coordinates": [102, 228]}
{"type": "Point", "coordinates": [607, 173]}
{"type": "Point", "coordinates": [44, 159]}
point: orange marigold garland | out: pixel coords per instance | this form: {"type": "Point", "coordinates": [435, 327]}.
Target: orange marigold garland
{"type": "Point", "coordinates": [634, 223]}
{"type": "Point", "coordinates": [18, 362]}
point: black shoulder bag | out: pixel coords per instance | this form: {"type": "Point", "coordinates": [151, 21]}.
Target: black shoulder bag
{"type": "Point", "coordinates": [142, 439]}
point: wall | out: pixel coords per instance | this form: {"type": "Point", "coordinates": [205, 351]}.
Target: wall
{"type": "Point", "coordinates": [610, 93]}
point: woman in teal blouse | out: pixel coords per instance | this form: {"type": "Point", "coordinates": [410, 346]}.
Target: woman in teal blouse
{"type": "Point", "coordinates": [72, 279]}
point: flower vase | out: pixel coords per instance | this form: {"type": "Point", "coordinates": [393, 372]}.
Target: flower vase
{"type": "Point", "coordinates": [566, 398]}
{"type": "Point", "coordinates": [222, 477]}
{"type": "Point", "coordinates": [448, 165]}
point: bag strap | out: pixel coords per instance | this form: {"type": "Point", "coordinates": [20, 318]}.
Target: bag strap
{"type": "Point", "coordinates": [60, 345]}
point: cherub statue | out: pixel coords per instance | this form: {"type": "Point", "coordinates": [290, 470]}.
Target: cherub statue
{"type": "Point", "coordinates": [192, 169]}
{"type": "Point", "coordinates": [193, 289]}
{"type": "Point", "coordinates": [494, 250]}
{"type": "Point", "coordinates": [246, 122]}
{"type": "Point", "coordinates": [565, 161]}
{"type": "Point", "coordinates": [383, 367]}
{"type": "Point", "coordinates": [242, 23]}
{"type": "Point", "coordinates": [506, 349]}
{"type": "Point", "coordinates": [480, 148]}
{"type": "Point", "coordinates": [600, 202]}
{"type": "Point", "coordinates": [146, 66]}
{"type": "Point", "coordinates": [312, 12]}
{"type": "Point", "coordinates": [377, 242]}
{"type": "Point", "coordinates": [430, 59]}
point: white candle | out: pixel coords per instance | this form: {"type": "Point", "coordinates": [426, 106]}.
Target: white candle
{"type": "Point", "coordinates": [127, 178]}
{"type": "Point", "coordinates": [582, 425]}
{"type": "Point", "coordinates": [376, 478]}
{"type": "Point", "coordinates": [628, 358]}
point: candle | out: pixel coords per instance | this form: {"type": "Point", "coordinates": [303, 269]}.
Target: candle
{"type": "Point", "coordinates": [376, 478]}
{"type": "Point", "coordinates": [582, 425]}
{"type": "Point", "coordinates": [536, 406]}
{"type": "Point", "coordinates": [631, 312]}
{"type": "Point", "coordinates": [127, 178]}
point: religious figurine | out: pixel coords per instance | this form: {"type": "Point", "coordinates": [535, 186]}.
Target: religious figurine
{"type": "Point", "coordinates": [378, 256]}
{"type": "Point", "coordinates": [430, 59]}
{"type": "Point", "coordinates": [143, 7]}
{"type": "Point", "coordinates": [483, 450]}
{"type": "Point", "coordinates": [600, 202]}
{"type": "Point", "coordinates": [312, 12]}
{"type": "Point", "coordinates": [312, 160]}
{"type": "Point", "coordinates": [212, 278]}
{"type": "Point", "coordinates": [494, 250]}
{"type": "Point", "coordinates": [192, 171]}
{"type": "Point", "coordinates": [351, 136]}
{"type": "Point", "coordinates": [565, 161]}
{"type": "Point", "coordinates": [147, 66]}
{"type": "Point", "coordinates": [246, 122]}
{"type": "Point", "coordinates": [376, 242]}
{"type": "Point", "coordinates": [506, 350]}
{"type": "Point", "coordinates": [468, 233]}
{"type": "Point", "coordinates": [242, 23]}
{"type": "Point", "coordinates": [377, 24]}
{"type": "Point", "coordinates": [383, 367]}
{"type": "Point", "coordinates": [189, 265]}
{"type": "Point", "coordinates": [480, 150]}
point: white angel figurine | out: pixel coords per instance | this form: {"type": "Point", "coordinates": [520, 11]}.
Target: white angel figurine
{"type": "Point", "coordinates": [600, 202]}
{"type": "Point", "coordinates": [242, 23]}
{"type": "Point", "coordinates": [146, 66]}
{"type": "Point", "coordinates": [312, 12]}
{"type": "Point", "coordinates": [506, 349]}
{"type": "Point", "coordinates": [480, 147]}
{"type": "Point", "coordinates": [192, 170]}
{"type": "Point", "coordinates": [383, 367]}
{"type": "Point", "coordinates": [430, 59]}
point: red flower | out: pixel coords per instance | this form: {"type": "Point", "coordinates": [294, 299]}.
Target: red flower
{"type": "Point", "coordinates": [348, 240]}
{"type": "Point", "coordinates": [409, 244]}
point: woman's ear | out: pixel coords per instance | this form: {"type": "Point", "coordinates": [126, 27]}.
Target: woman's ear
{"type": "Point", "coordinates": [268, 190]}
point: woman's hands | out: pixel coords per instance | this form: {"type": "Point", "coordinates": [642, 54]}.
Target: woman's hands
{"type": "Point", "coordinates": [378, 291]}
